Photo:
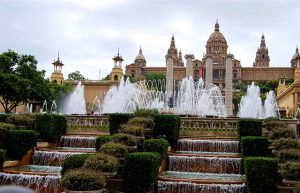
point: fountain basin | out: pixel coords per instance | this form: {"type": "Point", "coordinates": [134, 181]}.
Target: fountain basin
{"type": "Point", "coordinates": [34, 170]}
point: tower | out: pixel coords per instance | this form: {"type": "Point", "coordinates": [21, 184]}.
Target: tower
{"type": "Point", "coordinates": [262, 58]}
{"type": "Point", "coordinates": [57, 75]}
{"type": "Point", "coordinates": [281, 85]}
{"type": "Point", "coordinates": [117, 71]}
{"type": "Point", "coordinates": [172, 51]}
{"type": "Point", "coordinates": [294, 58]}
{"type": "Point", "coordinates": [140, 59]}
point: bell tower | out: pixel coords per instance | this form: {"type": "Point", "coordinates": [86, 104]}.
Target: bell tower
{"type": "Point", "coordinates": [262, 58]}
{"type": "Point", "coordinates": [117, 71]}
{"type": "Point", "coordinates": [57, 75]}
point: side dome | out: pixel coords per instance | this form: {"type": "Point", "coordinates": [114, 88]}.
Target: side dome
{"type": "Point", "coordinates": [140, 56]}
{"type": "Point", "coordinates": [216, 36]}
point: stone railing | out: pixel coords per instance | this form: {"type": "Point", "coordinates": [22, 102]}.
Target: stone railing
{"type": "Point", "coordinates": [87, 121]}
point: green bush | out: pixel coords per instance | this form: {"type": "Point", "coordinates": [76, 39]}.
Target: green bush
{"type": "Point", "coordinates": [261, 174]}
{"type": "Point", "coordinates": [101, 140]}
{"type": "Point", "coordinates": [249, 127]}
{"type": "Point", "coordinates": [281, 133]}
{"type": "Point", "coordinates": [83, 180]}
{"type": "Point", "coordinates": [132, 130]}
{"type": "Point", "coordinates": [288, 155]}
{"type": "Point", "coordinates": [18, 142]}
{"type": "Point", "coordinates": [140, 171]}
{"type": "Point", "coordinates": [114, 149]}
{"type": "Point", "coordinates": [124, 139]}
{"type": "Point", "coordinates": [73, 162]}
{"type": "Point", "coordinates": [2, 157]}
{"type": "Point", "coordinates": [3, 117]}
{"type": "Point", "coordinates": [50, 126]}
{"type": "Point", "coordinates": [156, 145]}
{"type": "Point", "coordinates": [254, 146]}
{"type": "Point", "coordinates": [272, 124]}
{"type": "Point", "coordinates": [3, 128]}
{"type": "Point", "coordinates": [144, 122]}
{"type": "Point", "coordinates": [146, 112]}
{"type": "Point", "coordinates": [101, 163]}
{"type": "Point", "coordinates": [287, 143]}
{"type": "Point", "coordinates": [291, 171]}
{"type": "Point", "coordinates": [167, 125]}
{"type": "Point", "coordinates": [115, 121]}
{"type": "Point", "coordinates": [27, 121]}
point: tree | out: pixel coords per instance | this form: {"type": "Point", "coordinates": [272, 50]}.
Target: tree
{"type": "Point", "coordinates": [75, 76]}
{"type": "Point", "coordinates": [21, 81]}
{"type": "Point", "coordinates": [156, 81]}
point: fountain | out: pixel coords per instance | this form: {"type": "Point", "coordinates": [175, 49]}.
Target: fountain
{"type": "Point", "coordinates": [78, 141]}
{"type": "Point", "coordinates": [74, 103]}
{"type": "Point", "coordinates": [53, 108]}
{"type": "Point", "coordinates": [44, 107]}
{"type": "Point", "coordinates": [96, 107]}
{"type": "Point", "coordinates": [251, 104]}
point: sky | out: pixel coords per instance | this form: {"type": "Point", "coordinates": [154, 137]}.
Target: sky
{"type": "Point", "coordinates": [88, 33]}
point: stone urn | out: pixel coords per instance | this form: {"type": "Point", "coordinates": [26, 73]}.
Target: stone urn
{"type": "Point", "coordinates": [90, 191]}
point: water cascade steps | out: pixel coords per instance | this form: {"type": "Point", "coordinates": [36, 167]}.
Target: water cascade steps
{"type": "Point", "coordinates": [43, 175]}
{"type": "Point", "coordinates": [203, 165]}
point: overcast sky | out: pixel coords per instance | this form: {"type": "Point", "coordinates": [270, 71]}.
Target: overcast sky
{"type": "Point", "coordinates": [87, 33]}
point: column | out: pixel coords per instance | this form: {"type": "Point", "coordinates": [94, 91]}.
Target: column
{"type": "Point", "coordinates": [228, 85]}
{"type": "Point", "coordinates": [189, 65]}
{"type": "Point", "coordinates": [209, 72]}
{"type": "Point", "coordinates": [169, 75]}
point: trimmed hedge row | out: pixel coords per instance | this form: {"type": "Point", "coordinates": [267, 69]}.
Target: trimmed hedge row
{"type": "Point", "coordinates": [261, 174]}
{"type": "Point", "coordinates": [2, 158]}
{"type": "Point", "coordinates": [73, 162]}
{"type": "Point", "coordinates": [249, 127]}
{"type": "Point", "coordinates": [18, 142]}
{"type": "Point", "coordinates": [115, 121]}
{"type": "Point", "coordinates": [254, 146]}
{"type": "Point", "coordinates": [140, 171]}
{"type": "Point", "coordinates": [168, 126]}
{"type": "Point", "coordinates": [156, 145]}
{"type": "Point", "coordinates": [3, 117]}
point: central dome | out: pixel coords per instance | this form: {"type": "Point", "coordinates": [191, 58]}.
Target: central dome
{"type": "Point", "coordinates": [216, 36]}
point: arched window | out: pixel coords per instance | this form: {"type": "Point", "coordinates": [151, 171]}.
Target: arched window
{"type": "Point", "coordinates": [235, 72]}
{"type": "Point", "coordinates": [132, 73]}
{"type": "Point", "coordinates": [55, 81]}
{"type": "Point", "coordinates": [263, 56]}
{"type": "Point", "coordinates": [116, 78]}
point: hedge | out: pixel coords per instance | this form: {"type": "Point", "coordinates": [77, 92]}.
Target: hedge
{"type": "Point", "coordinates": [146, 112]}
{"type": "Point", "coordinates": [140, 171]}
{"type": "Point", "coordinates": [73, 162]}
{"type": "Point", "coordinates": [50, 126]}
{"type": "Point", "coordinates": [27, 120]}
{"type": "Point", "coordinates": [115, 149]}
{"type": "Point", "coordinates": [261, 174]}
{"type": "Point", "coordinates": [156, 145]}
{"type": "Point", "coordinates": [2, 158]}
{"type": "Point", "coordinates": [292, 171]}
{"type": "Point", "coordinates": [125, 139]}
{"type": "Point", "coordinates": [168, 126]}
{"type": "Point", "coordinates": [101, 163]}
{"type": "Point", "coordinates": [281, 133]}
{"type": "Point", "coordinates": [115, 121]}
{"type": "Point", "coordinates": [101, 140]}
{"type": "Point", "coordinates": [18, 142]}
{"type": "Point", "coordinates": [249, 127]}
{"type": "Point", "coordinates": [3, 117]}
{"type": "Point", "coordinates": [287, 143]}
{"type": "Point", "coordinates": [288, 155]}
{"type": "Point", "coordinates": [3, 128]}
{"type": "Point", "coordinates": [254, 146]}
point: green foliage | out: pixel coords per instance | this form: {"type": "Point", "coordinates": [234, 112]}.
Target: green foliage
{"type": "Point", "coordinates": [254, 146]}
{"type": "Point", "coordinates": [3, 117]}
{"type": "Point", "coordinates": [2, 157]}
{"type": "Point", "coordinates": [6, 126]}
{"type": "Point", "coordinates": [107, 77]}
{"type": "Point", "coordinates": [281, 133]}
{"type": "Point", "coordinates": [291, 171]}
{"type": "Point", "coordinates": [115, 149]}
{"type": "Point", "coordinates": [73, 162]}
{"type": "Point", "coordinates": [124, 139]}
{"type": "Point", "coordinates": [167, 125]}
{"type": "Point", "coordinates": [18, 142]}
{"type": "Point", "coordinates": [50, 126]}
{"type": "Point", "coordinates": [75, 76]}
{"type": "Point", "coordinates": [273, 124]}
{"type": "Point", "coordinates": [132, 129]}
{"type": "Point", "coordinates": [156, 81]}
{"type": "Point", "coordinates": [115, 121]}
{"type": "Point", "coordinates": [21, 120]}
{"type": "Point", "coordinates": [261, 174]}
{"type": "Point", "coordinates": [83, 180]}
{"type": "Point", "coordinates": [140, 171]}
{"type": "Point", "coordinates": [101, 163]}
{"type": "Point", "coordinates": [288, 155]}
{"type": "Point", "coordinates": [287, 143]}
{"type": "Point", "coordinates": [144, 122]}
{"type": "Point", "coordinates": [249, 127]}
{"type": "Point", "coordinates": [156, 145]}
{"type": "Point", "coordinates": [102, 140]}
{"type": "Point", "coordinates": [146, 112]}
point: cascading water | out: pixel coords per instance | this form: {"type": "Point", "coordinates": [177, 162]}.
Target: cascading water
{"type": "Point", "coordinates": [74, 103]}
{"type": "Point", "coordinates": [50, 158]}
{"type": "Point", "coordinates": [78, 141]}
{"type": "Point", "coordinates": [96, 106]}
{"type": "Point", "coordinates": [251, 104]}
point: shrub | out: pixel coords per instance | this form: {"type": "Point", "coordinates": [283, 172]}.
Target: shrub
{"type": "Point", "coordinates": [281, 133]}
{"type": "Point", "coordinates": [22, 120]}
{"type": "Point", "coordinates": [146, 112]}
{"type": "Point", "coordinates": [2, 157]}
{"type": "Point", "coordinates": [156, 145]}
{"type": "Point", "coordinates": [291, 171]}
{"type": "Point", "coordinates": [3, 117]}
{"type": "Point", "coordinates": [288, 155]}
{"type": "Point", "coordinates": [132, 130]}
{"type": "Point", "coordinates": [18, 142]}
{"type": "Point", "coordinates": [272, 124]}
{"type": "Point", "coordinates": [249, 127]}
{"type": "Point", "coordinates": [115, 149]}
{"type": "Point", "coordinates": [115, 121]}
{"type": "Point", "coordinates": [101, 140]}
{"type": "Point", "coordinates": [167, 125]}
{"type": "Point", "coordinates": [124, 139]}
{"type": "Point", "coordinates": [101, 162]}
{"type": "Point", "coordinates": [50, 126]}
{"type": "Point", "coordinates": [287, 143]}
{"type": "Point", "coordinates": [254, 146]}
{"type": "Point", "coordinates": [3, 128]}
{"type": "Point", "coordinates": [144, 122]}
{"type": "Point", "coordinates": [140, 171]}
{"type": "Point", "coordinates": [73, 162]}
{"type": "Point", "coordinates": [83, 180]}
{"type": "Point", "coordinates": [261, 174]}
